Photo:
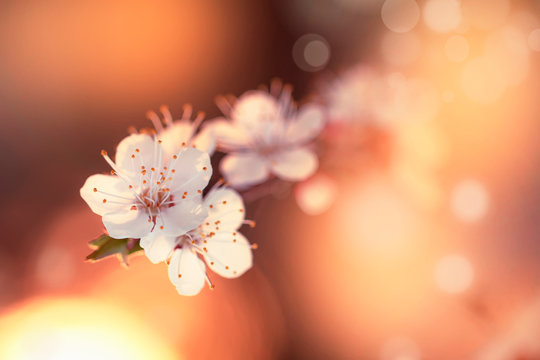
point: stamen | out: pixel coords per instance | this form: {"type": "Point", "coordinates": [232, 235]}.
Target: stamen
{"type": "Point", "coordinates": [210, 284]}
{"type": "Point", "coordinates": [251, 223]}
{"type": "Point", "coordinates": [188, 110]}
{"type": "Point", "coordinates": [224, 106]}
{"type": "Point", "coordinates": [197, 122]}
{"type": "Point", "coordinates": [152, 116]}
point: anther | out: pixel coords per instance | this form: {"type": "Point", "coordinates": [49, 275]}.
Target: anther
{"type": "Point", "coordinates": [95, 190]}
{"type": "Point", "coordinates": [103, 153]}
{"type": "Point", "coordinates": [204, 168]}
{"type": "Point", "coordinates": [133, 156]}
{"type": "Point", "coordinates": [254, 246]}
{"type": "Point", "coordinates": [224, 202]}
{"type": "Point", "coordinates": [226, 268]}
{"type": "Point", "coordinates": [161, 227]}
{"type": "Point", "coordinates": [175, 157]}
{"type": "Point", "coordinates": [133, 207]}
{"type": "Point", "coordinates": [137, 150]}
{"type": "Point", "coordinates": [104, 201]}
{"type": "Point", "coordinates": [179, 275]}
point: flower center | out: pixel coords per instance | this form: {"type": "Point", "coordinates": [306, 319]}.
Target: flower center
{"type": "Point", "coordinates": [154, 202]}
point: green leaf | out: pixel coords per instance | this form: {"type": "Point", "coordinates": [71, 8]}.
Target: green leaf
{"type": "Point", "coordinates": [100, 240]}
{"type": "Point", "coordinates": [106, 246]}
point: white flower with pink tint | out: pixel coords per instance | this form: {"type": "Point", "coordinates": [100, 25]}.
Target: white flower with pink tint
{"type": "Point", "coordinates": [148, 191]}
{"type": "Point", "coordinates": [176, 134]}
{"type": "Point", "coordinates": [266, 135]}
{"type": "Point", "coordinates": [216, 240]}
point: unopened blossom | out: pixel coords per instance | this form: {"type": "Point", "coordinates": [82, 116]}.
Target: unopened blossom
{"type": "Point", "coordinates": [148, 191]}
{"type": "Point", "coordinates": [216, 241]}
{"type": "Point", "coordinates": [175, 134]}
{"type": "Point", "coordinates": [265, 135]}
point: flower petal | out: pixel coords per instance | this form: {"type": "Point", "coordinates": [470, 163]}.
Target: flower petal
{"type": "Point", "coordinates": [226, 213]}
{"type": "Point", "coordinates": [204, 140]}
{"type": "Point", "coordinates": [230, 136]}
{"type": "Point", "coordinates": [190, 172]}
{"type": "Point", "coordinates": [185, 215]}
{"type": "Point", "coordinates": [307, 125]}
{"type": "Point", "coordinates": [157, 246]}
{"type": "Point", "coordinates": [127, 224]}
{"type": "Point", "coordinates": [117, 197]}
{"type": "Point", "coordinates": [127, 165]}
{"type": "Point", "coordinates": [187, 272]}
{"type": "Point", "coordinates": [228, 254]}
{"type": "Point", "coordinates": [173, 136]}
{"type": "Point", "coordinates": [244, 169]}
{"type": "Point", "coordinates": [254, 107]}
{"type": "Point", "coordinates": [294, 165]}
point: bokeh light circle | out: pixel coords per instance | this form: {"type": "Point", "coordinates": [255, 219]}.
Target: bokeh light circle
{"type": "Point", "coordinates": [400, 15]}
{"type": "Point", "coordinates": [311, 52]}
{"type": "Point", "coordinates": [454, 274]}
{"type": "Point", "coordinates": [82, 329]}
{"type": "Point", "coordinates": [442, 15]}
{"type": "Point", "coordinates": [315, 195]}
{"type": "Point", "coordinates": [469, 200]}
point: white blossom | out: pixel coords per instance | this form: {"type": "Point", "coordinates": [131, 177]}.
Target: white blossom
{"type": "Point", "coordinates": [266, 135]}
{"type": "Point", "coordinates": [216, 240]}
{"type": "Point", "coordinates": [148, 191]}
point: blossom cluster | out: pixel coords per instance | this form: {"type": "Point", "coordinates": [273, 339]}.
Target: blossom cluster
{"type": "Point", "coordinates": [158, 197]}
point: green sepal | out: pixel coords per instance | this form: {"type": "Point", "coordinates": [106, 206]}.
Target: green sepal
{"type": "Point", "coordinates": [106, 246]}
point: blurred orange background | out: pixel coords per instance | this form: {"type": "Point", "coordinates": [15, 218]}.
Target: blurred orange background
{"type": "Point", "coordinates": [428, 247]}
